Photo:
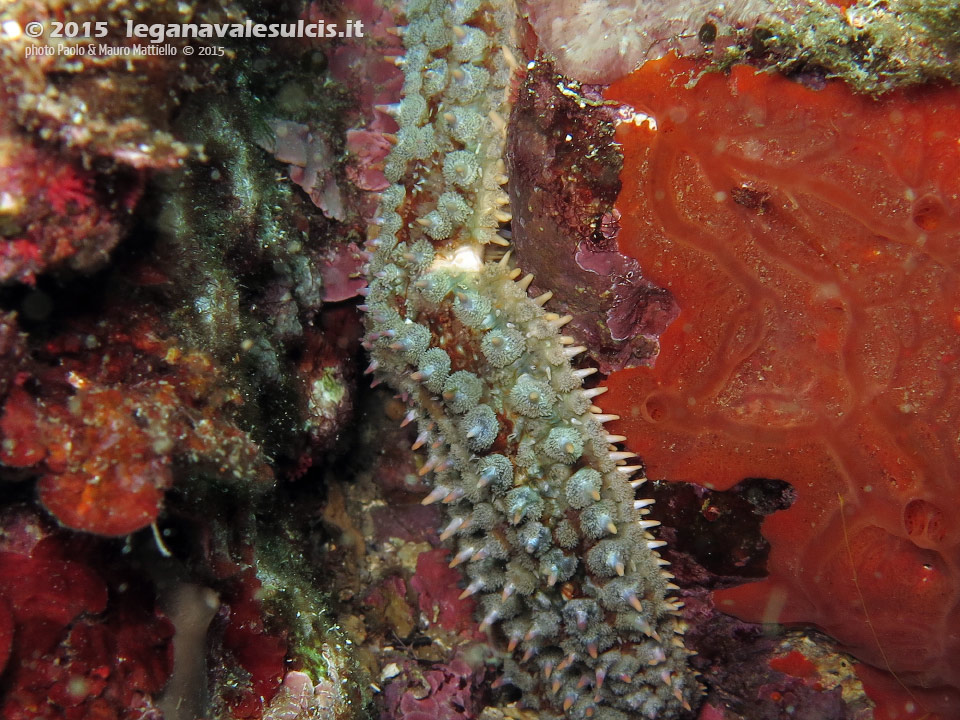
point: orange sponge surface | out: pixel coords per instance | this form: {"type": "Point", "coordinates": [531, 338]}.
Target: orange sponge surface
{"type": "Point", "coordinates": [812, 240]}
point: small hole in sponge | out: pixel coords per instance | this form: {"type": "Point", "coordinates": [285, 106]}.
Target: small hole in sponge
{"type": "Point", "coordinates": [655, 409]}
{"type": "Point", "coordinates": [928, 213]}
{"type": "Point", "coordinates": [924, 523]}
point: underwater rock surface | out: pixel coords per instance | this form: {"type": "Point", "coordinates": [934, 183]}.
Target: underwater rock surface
{"type": "Point", "coordinates": [207, 513]}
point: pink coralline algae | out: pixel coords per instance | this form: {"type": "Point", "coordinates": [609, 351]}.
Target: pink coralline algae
{"type": "Point", "coordinates": [341, 184]}
{"type": "Point", "coordinates": [103, 438]}
{"type": "Point", "coordinates": [368, 149]}
{"type": "Point", "coordinates": [366, 68]}
{"type": "Point", "coordinates": [341, 270]}
{"type": "Point", "coordinates": [439, 595]}
{"type": "Point", "coordinates": [445, 692]}
{"type": "Point", "coordinates": [312, 164]}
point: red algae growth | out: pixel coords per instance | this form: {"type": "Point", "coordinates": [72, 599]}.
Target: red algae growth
{"type": "Point", "coordinates": [104, 435]}
{"type": "Point", "coordinates": [810, 239]}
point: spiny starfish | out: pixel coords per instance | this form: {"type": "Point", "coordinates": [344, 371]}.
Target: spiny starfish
{"type": "Point", "coordinates": [542, 508]}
